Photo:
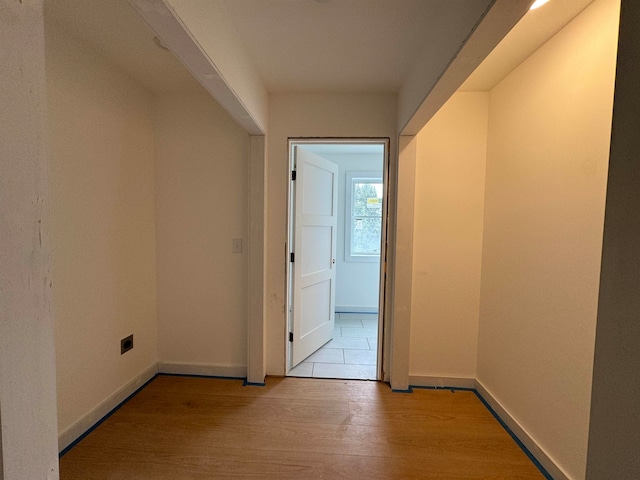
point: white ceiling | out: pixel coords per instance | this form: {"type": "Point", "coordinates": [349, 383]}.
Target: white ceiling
{"type": "Point", "coordinates": [314, 45]}
{"type": "Point", "coordinates": [346, 45]}
{"type": "Point", "coordinates": [114, 29]}
{"type": "Point", "coordinates": [535, 28]}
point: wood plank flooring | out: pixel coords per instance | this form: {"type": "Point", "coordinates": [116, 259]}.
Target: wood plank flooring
{"type": "Point", "coordinates": [296, 428]}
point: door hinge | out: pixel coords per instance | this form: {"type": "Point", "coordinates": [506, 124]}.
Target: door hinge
{"type": "Point", "coordinates": [292, 257]}
{"type": "Point", "coordinates": [291, 336]}
{"type": "Point", "coordinates": [293, 175]}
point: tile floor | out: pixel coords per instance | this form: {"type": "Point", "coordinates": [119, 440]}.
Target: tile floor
{"type": "Point", "coordinates": [351, 354]}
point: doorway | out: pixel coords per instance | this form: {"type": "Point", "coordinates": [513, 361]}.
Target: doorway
{"type": "Point", "coordinates": [336, 252]}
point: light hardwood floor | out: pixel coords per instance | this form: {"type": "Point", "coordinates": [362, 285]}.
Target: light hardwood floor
{"type": "Point", "coordinates": [296, 428]}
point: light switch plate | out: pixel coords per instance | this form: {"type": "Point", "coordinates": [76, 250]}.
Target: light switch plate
{"type": "Point", "coordinates": [236, 245]}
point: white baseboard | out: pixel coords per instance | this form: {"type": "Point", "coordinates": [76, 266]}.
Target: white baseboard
{"type": "Point", "coordinates": [545, 460]}
{"type": "Point", "coordinates": [352, 309]}
{"type": "Point", "coordinates": [202, 369]}
{"type": "Point", "coordinates": [429, 381]}
{"type": "Point", "coordinates": [75, 431]}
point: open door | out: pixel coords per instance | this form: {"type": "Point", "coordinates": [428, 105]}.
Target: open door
{"type": "Point", "coordinates": [313, 253]}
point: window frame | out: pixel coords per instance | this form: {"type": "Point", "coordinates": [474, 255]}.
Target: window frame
{"type": "Point", "coordinates": [352, 177]}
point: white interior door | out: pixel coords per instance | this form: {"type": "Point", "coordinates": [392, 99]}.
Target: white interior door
{"type": "Point", "coordinates": [314, 247]}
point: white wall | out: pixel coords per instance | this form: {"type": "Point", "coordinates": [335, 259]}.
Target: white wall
{"type": "Point", "coordinates": [307, 115]}
{"type": "Point", "coordinates": [27, 361]}
{"type": "Point", "coordinates": [202, 197]}
{"type": "Point", "coordinates": [548, 146]}
{"type": "Point", "coordinates": [357, 283]}
{"type": "Point", "coordinates": [449, 209]}
{"type": "Point", "coordinates": [102, 183]}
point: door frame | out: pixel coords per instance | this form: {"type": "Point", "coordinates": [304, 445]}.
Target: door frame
{"type": "Point", "coordinates": [385, 141]}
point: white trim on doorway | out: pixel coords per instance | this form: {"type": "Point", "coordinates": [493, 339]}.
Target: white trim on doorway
{"type": "Point", "coordinates": [340, 143]}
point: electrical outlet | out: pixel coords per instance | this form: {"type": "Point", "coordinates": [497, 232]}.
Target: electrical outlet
{"type": "Point", "coordinates": [236, 245]}
{"type": "Point", "coordinates": [126, 344]}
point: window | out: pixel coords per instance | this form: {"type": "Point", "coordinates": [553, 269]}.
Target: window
{"type": "Point", "coordinates": [363, 216]}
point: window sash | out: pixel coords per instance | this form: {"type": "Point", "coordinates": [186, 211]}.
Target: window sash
{"type": "Point", "coordinates": [363, 219]}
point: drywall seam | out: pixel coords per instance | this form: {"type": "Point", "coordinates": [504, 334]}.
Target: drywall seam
{"type": "Point", "coordinates": [519, 431]}
{"type": "Point", "coordinates": [75, 431]}
{"type": "Point", "coordinates": [234, 371]}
